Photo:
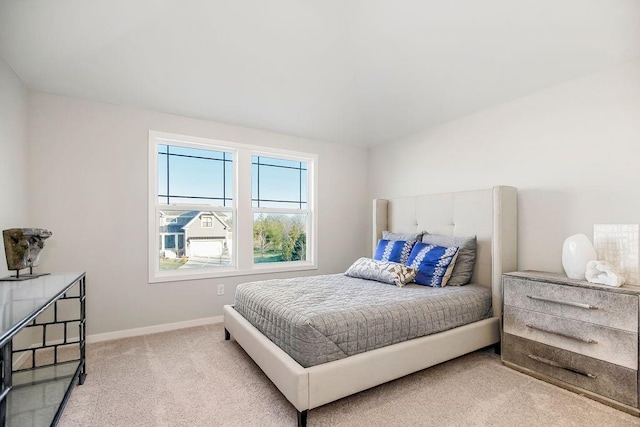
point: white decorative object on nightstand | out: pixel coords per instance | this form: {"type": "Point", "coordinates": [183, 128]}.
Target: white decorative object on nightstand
{"type": "Point", "coordinates": [618, 244]}
{"type": "Point", "coordinates": [603, 272]}
{"type": "Point", "coordinates": [577, 250]}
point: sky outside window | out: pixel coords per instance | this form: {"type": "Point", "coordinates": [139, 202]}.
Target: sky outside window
{"type": "Point", "coordinates": [199, 176]}
{"type": "Point", "coordinates": [194, 176]}
{"type": "Point", "coordinates": [278, 183]}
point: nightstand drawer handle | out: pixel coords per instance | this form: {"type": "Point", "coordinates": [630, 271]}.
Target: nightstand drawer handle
{"type": "Point", "coordinates": [559, 301]}
{"type": "Point", "coordinates": [558, 365]}
{"type": "Point", "coordinates": [585, 340]}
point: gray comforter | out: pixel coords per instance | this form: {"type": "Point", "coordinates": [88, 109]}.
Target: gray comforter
{"type": "Point", "coordinates": [325, 318]}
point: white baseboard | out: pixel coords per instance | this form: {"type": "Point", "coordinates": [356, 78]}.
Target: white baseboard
{"type": "Point", "coordinates": [108, 336]}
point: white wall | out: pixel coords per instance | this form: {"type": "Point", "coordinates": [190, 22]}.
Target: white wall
{"type": "Point", "coordinates": [14, 167]}
{"type": "Point", "coordinates": [89, 171]}
{"type": "Point", "coordinates": [13, 155]}
{"type": "Point", "coordinates": [572, 150]}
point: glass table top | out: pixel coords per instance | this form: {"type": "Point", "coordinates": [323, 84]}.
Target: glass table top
{"type": "Point", "coordinates": [20, 300]}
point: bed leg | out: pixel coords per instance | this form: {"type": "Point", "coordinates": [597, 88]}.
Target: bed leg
{"type": "Point", "coordinates": [227, 335]}
{"type": "Point", "coordinates": [302, 418]}
{"type": "Point", "coordinates": [497, 347]}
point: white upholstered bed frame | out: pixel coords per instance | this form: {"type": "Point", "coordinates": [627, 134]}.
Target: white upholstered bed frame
{"type": "Point", "coordinates": [490, 214]}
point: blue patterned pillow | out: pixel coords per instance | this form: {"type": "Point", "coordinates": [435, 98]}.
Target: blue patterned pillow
{"type": "Point", "coordinates": [434, 263]}
{"type": "Point", "coordinates": [394, 250]}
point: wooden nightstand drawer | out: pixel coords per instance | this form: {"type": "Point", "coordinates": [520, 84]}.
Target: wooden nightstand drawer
{"type": "Point", "coordinates": [599, 342]}
{"type": "Point", "coordinates": [602, 307]}
{"type": "Point", "coordinates": [605, 379]}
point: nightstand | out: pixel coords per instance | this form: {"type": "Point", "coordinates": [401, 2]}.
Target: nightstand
{"type": "Point", "coordinates": [574, 334]}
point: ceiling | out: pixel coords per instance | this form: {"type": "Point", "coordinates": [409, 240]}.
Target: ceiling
{"type": "Point", "coordinates": [359, 72]}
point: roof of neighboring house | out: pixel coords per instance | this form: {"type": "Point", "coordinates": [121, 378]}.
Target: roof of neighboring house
{"type": "Point", "coordinates": [178, 222]}
{"type": "Point", "coordinates": [184, 221]}
{"type": "Point", "coordinates": [213, 214]}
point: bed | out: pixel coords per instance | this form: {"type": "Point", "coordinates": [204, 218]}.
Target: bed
{"type": "Point", "coordinates": [489, 214]}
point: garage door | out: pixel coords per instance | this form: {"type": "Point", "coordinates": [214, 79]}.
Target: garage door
{"type": "Point", "coordinates": [205, 248]}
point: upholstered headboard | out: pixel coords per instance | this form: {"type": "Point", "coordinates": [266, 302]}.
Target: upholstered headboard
{"type": "Point", "coordinates": [489, 214]}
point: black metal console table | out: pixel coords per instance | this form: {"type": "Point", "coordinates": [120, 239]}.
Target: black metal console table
{"type": "Point", "coordinates": [49, 313]}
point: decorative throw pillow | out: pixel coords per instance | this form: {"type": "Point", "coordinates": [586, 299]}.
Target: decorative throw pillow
{"type": "Point", "coordinates": [394, 250]}
{"type": "Point", "coordinates": [433, 263]}
{"type": "Point", "coordinates": [382, 271]}
{"type": "Point", "coordinates": [466, 255]}
{"type": "Point", "coordinates": [387, 235]}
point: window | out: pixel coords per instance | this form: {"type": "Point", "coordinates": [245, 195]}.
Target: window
{"type": "Point", "coordinates": [279, 201]}
{"type": "Point", "coordinates": [222, 209]}
{"type": "Point", "coordinates": [206, 221]}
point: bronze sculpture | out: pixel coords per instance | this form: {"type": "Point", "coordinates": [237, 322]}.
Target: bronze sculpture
{"type": "Point", "coordinates": [22, 248]}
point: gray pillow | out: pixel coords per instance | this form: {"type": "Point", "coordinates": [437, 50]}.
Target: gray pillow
{"type": "Point", "coordinates": [387, 235]}
{"type": "Point", "coordinates": [463, 269]}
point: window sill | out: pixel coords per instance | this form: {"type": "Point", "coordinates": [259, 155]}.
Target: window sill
{"type": "Point", "coordinates": [176, 276]}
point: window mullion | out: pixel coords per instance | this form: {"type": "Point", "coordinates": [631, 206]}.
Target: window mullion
{"type": "Point", "coordinates": [244, 228]}
{"type": "Point", "coordinates": [168, 177]}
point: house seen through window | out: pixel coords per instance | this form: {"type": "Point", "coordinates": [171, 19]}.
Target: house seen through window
{"type": "Point", "coordinates": [196, 207]}
{"type": "Point", "coordinates": [190, 183]}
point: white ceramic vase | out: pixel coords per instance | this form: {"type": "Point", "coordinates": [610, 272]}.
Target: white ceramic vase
{"type": "Point", "coordinates": [577, 250]}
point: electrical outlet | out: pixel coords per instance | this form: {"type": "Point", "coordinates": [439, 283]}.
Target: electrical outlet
{"type": "Point", "coordinates": [220, 289]}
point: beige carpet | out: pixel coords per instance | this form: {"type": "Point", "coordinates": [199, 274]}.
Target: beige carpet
{"type": "Point", "coordinates": [193, 377]}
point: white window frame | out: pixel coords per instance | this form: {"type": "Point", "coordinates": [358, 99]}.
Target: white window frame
{"type": "Point", "coordinates": [241, 209]}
